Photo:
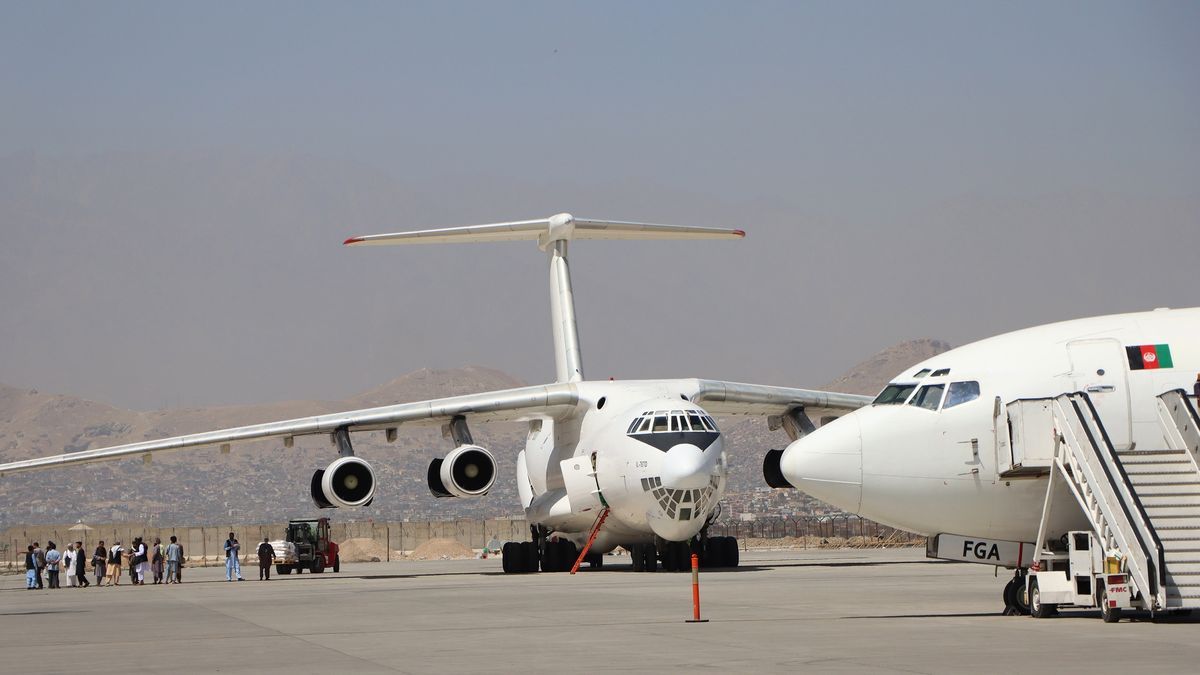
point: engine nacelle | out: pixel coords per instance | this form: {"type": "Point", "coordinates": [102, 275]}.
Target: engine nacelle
{"type": "Point", "coordinates": [468, 471]}
{"type": "Point", "coordinates": [347, 482]}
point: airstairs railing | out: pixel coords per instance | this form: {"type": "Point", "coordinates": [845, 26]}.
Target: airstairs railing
{"type": "Point", "coordinates": [1086, 458]}
{"type": "Point", "coordinates": [1180, 423]}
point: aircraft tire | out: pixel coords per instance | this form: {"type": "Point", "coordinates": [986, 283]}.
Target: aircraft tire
{"type": "Point", "coordinates": [508, 556]}
{"type": "Point", "coordinates": [731, 557]}
{"type": "Point", "coordinates": [529, 556]}
{"type": "Point", "coordinates": [649, 558]}
{"type": "Point", "coordinates": [638, 557]}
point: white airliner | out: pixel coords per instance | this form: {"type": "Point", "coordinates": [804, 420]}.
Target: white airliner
{"type": "Point", "coordinates": [940, 451]}
{"type": "Point", "coordinates": [647, 451]}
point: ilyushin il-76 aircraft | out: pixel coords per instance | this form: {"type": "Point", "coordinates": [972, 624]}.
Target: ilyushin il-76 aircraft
{"type": "Point", "coordinates": [638, 464]}
{"type": "Point", "coordinates": [997, 449]}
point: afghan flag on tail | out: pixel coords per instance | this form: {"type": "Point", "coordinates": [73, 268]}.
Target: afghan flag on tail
{"type": "Point", "coordinates": [1149, 357]}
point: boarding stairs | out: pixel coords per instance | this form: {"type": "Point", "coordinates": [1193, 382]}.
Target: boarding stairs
{"type": "Point", "coordinates": [1144, 503]}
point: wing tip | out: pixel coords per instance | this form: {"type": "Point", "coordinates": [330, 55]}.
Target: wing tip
{"type": "Point", "coordinates": [352, 241]}
{"type": "Point", "coordinates": [740, 234]}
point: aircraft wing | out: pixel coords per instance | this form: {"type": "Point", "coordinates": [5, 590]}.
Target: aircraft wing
{"type": "Point", "coordinates": [522, 403]}
{"type": "Point", "coordinates": [737, 398]}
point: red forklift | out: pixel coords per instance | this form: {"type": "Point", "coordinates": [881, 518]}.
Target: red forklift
{"type": "Point", "coordinates": [306, 546]}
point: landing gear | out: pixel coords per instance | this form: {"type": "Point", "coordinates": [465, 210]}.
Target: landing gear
{"type": "Point", "coordinates": [519, 557]}
{"type": "Point", "coordinates": [720, 552]}
{"type": "Point", "coordinates": [1016, 597]}
{"type": "Point", "coordinates": [559, 556]}
{"type": "Point", "coordinates": [645, 557]}
{"type": "Point", "coordinates": [677, 556]}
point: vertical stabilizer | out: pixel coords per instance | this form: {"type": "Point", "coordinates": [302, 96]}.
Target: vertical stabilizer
{"type": "Point", "coordinates": [553, 235]}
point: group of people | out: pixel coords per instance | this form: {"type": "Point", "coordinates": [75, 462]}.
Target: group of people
{"type": "Point", "coordinates": [233, 559]}
{"type": "Point", "coordinates": [162, 564]}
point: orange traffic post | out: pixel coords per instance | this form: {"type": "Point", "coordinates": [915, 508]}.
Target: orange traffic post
{"type": "Point", "coordinates": [696, 591]}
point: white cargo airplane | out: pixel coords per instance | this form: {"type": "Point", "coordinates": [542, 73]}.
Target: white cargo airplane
{"type": "Point", "coordinates": [649, 451]}
{"type": "Point", "coordinates": [934, 453]}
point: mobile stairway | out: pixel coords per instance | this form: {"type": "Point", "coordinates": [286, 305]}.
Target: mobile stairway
{"type": "Point", "coordinates": [1143, 506]}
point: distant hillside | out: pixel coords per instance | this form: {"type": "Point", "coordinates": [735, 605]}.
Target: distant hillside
{"type": "Point", "coordinates": [260, 482]}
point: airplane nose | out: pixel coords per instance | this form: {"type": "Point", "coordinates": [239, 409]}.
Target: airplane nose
{"type": "Point", "coordinates": [685, 467]}
{"type": "Point", "coordinates": [827, 463]}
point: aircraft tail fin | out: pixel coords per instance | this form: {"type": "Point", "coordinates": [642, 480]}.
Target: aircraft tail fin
{"type": "Point", "coordinates": [552, 235]}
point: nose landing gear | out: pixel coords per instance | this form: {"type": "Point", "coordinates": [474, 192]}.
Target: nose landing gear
{"type": "Point", "coordinates": [1016, 597]}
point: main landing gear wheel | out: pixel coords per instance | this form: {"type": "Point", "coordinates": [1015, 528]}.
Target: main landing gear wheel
{"type": "Point", "coordinates": [560, 556]}
{"type": "Point", "coordinates": [677, 556]}
{"type": "Point", "coordinates": [519, 557]}
{"type": "Point", "coordinates": [1016, 597]}
{"type": "Point", "coordinates": [645, 557]}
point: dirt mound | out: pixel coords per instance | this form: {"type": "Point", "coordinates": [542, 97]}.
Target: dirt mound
{"type": "Point", "coordinates": [362, 549]}
{"type": "Point", "coordinates": [441, 549]}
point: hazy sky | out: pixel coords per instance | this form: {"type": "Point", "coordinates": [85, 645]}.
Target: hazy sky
{"type": "Point", "coordinates": [175, 182]}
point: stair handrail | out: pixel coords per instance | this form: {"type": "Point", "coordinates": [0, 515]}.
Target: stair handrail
{"type": "Point", "coordinates": [1187, 435]}
{"type": "Point", "coordinates": [1146, 560]}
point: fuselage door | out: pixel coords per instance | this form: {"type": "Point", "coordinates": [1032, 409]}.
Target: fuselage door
{"type": "Point", "coordinates": [1098, 367]}
{"type": "Point", "coordinates": [1002, 437]}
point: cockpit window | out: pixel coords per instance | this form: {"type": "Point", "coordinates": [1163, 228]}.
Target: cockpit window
{"type": "Point", "coordinates": [961, 392]}
{"type": "Point", "coordinates": [894, 394]}
{"type": "Point", "coordinates": [928, 397]}
{"type": "Point", "coordinates": [709, 423]}
{"type": "Point", "coordinates": [940, 371]}
{"type": "Point", "coordinates": [697, 425]}
{"type": "Point", "coordinates": [921, 373]}
{"type": "Point", "coordinates": [660, 423]}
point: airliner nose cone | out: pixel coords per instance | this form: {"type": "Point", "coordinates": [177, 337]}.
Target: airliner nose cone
{"type": "Point", "coordinates": [684, 467]}
{"type": "Point", "coordinates": [827, 463]}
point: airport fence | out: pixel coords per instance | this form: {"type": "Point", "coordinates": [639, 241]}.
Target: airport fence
{"type": "Point", "coordinates": [369, 540]}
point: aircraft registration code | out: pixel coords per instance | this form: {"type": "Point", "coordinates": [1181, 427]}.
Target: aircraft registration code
{"type": "Point", "coordinates": [977, 550]}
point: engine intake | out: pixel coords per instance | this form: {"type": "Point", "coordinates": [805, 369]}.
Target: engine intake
{"type": "Point", "coordinates": [772, 472]}
{"type": "Point", "coordinates": [468, 471]}
{"type": "Point", "coordinates": [347, 482]}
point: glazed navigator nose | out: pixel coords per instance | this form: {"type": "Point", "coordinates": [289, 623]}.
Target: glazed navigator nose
{"type": "Point", "coordinates": [827, 463]}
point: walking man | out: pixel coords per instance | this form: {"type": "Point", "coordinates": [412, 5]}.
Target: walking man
{"type": "Point", "coordinates": [233, 565]}
{"type": "Point", "coordinates": [1196, 388]}
{"type": "Point", "coordinates": [266, 554]}
{"type": "Point", "coordinates": [100, 563]}
{"type": "Point", "coordinates": [174, 557]}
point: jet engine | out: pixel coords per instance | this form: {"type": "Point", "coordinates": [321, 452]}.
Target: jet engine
{"type": "Point", "coordinates": [771, 471]}
{"type": "Point", "coordinates": [348, 481]}
{"type": "Point", "coordinates": [468, 471]}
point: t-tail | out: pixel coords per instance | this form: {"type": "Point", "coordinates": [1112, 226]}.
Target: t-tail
{"type": "Point", "coordinates": [552, 235]}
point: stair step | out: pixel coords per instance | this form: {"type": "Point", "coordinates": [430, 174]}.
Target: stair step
{"type": "Point", "coordinates": [1189, 492]}
{"type": "Point", "coordinates": [1158, 460]}
{"type": "Point", "coordinates": [1150, 453]}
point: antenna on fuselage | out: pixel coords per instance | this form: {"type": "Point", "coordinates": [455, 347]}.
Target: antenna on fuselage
{"type": "Point", "coordinates": [552, 235]}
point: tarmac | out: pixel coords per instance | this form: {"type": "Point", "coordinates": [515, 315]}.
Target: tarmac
{"type": "Point", "coordinates": [860, 611]}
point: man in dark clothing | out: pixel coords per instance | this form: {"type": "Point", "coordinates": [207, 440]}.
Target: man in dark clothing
{"type": "Point", "coordinates": [80, 566]}
{"type": "Point", "coordinates": [30, 569]}
{"type": "Point", "coordinates": [266, 554]}
{"type": "Point", "coordinates": [1196, 387]}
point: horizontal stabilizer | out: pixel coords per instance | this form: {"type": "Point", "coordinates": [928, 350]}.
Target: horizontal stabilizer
{"type": "Point", "coordinates": [562, 227]}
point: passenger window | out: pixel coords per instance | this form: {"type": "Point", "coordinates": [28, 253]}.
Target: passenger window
{"type": "Point", "coordinates": [894, 394]}
{"type": "Point", "coordinates": [928, 397]}
{"type": "Point", "coordinates": [961, 392]}
{"type": "Point", "coordinates": [660, 423]}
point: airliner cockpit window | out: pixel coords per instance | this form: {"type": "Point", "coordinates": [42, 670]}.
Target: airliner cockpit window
{"type": "Point", "coordinates": [929, 397]}
{"type": "Point", "coordinates": [961, 392]}
{"type": "Point", "coordinates": [894, 394]}
{"type": "Point", "coordinates": [921, 373]}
